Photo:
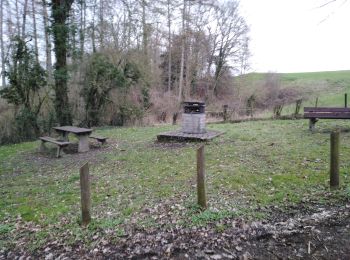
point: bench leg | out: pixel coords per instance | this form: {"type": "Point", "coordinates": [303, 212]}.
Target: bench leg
{"type": "Point", "coordinates": [42, 147]}
{"type": "Point", "coordinates": [312, 123]}
{"type": "Point", "coordinates": [58, 155]}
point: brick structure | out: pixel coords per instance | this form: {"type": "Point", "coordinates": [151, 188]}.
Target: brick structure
{"type": "Point", "coordinates": [193, 118]}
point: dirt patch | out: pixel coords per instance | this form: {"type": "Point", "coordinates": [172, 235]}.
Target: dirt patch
{"type": "Point", "coordinates": [319, 233]}
{"type": "Point", "coordinates": [71, 155]}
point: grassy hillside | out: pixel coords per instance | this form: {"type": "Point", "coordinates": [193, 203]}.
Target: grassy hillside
{"type": "Point", "coordinates": [336, 84]}
{"type": "Point", "coordinates": [328, 86]}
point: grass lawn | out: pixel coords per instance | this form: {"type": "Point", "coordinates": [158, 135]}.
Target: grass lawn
{"type": "Point", "coordinates": [137, 182]}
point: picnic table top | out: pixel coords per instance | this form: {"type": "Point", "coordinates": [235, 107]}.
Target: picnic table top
{"type": "Point", "coordinates": [73, 129]}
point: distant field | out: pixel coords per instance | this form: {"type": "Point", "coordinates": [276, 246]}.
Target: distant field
{"type": "Point", "coordinates": [328, 86]}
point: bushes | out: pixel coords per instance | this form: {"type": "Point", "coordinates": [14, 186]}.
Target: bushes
{"type": "Point", "coordinates": [101, 76]}
{"type": "Point", "coordinates": [126, 114]}
{"type": "Point", "coordinates": [26, 77]}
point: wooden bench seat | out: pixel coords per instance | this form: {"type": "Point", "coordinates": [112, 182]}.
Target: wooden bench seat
{"type": "Point", "coordinates": [60, 144]}
{"type": "Point", "coordinates": [315, 113]}
{"type": "Point", "coordinates": [100, 139]}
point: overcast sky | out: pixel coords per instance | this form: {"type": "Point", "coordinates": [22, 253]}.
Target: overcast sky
{"type": "Point", "coordinates": [296, 35]}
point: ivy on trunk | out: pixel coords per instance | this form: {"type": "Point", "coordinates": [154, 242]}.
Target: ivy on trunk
{"type": "Point", "coordinates": [60, 30]}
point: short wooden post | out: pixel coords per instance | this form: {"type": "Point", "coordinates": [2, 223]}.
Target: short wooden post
{"type": "Point", "coordinates": [334, 171]}
{"type": "Point", "coordinates": [346, 99]}
{"type": "Point", "coordinates": [202, 200]}
{"type": "Point", "coordinates": [316, 103]}
{"type": "Point", "coordinates": [175, 115]}
{"type": "Point", "coordinates": [225, 112]}
{"type": "Point", "coordinates": [85, 194]}
{"type": "Point", "coordinates": [297, 106]}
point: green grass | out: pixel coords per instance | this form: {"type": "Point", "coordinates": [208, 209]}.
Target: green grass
{"type": "Point", "coordinates": [138, 181]}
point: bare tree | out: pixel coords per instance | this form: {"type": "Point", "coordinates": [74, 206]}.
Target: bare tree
{"type": "Point", "coordinates": [35, 32]}
{"type": "Point", "coordinates": [17, 18]}
{"type": "Point", "coordinates": [182, 62]}
{"type": "Point", "coordinates": [47, 41]}
{"type": "Point", "coordinates": [2, 47]}
{"type": "Point", "coordinates": [232, 31]}
{"type": "Point", "coordinates": [24, 19]}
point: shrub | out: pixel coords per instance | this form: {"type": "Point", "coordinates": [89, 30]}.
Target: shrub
{"type": "Point", "coordinates": [101, 77]}
{"type": "Point", "coordinates": [26, 77]}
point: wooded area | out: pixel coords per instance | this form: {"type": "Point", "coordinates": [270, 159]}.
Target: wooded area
{"type": "Point", "coordinates": [104, 62]}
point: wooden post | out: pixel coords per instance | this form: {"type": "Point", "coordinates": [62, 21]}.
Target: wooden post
{"type": "Point", "coordinates": [297, 106]}
{"type": "Point", "coordinates": [202, 200]}
{"type": "Point", "coordinates": [175, 115]}
{"type": "Point", "coordinates": [225, 112]}
{"type": "Point", "coordinates": [334, 171]}
{"type": "Point", "coordinates": [346, 99]}
{"type": "Point", "coordinates": [316, 103]}
{"type": "Point", "coordinates": [85, 194]}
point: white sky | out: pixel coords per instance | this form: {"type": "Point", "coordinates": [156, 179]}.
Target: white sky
{"type": "Point", "coordinates": [297, 36]}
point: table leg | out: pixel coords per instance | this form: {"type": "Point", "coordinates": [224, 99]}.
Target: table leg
{"type": "Point", "coordinates": [64, 135]}
{"type": "Point", "coordinates": [83, 143]}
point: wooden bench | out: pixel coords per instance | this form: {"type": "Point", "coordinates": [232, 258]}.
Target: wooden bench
{"type": "Point", "coordinates": [60, 144]}
{"type": "Point", "coordinates": [100, 139]}
{"type": "Point", "coordinates": [315, 113]}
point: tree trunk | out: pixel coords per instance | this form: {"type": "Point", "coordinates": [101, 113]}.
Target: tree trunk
{"type": "Point", "coordinates": [102, 24]}
{"type": "Point", "coordinates": [169, 47]}
{"type": "Point", "coordinates": [93, 28]}
{"type": "Point", "coordinates": [182, 62]}
{"type": "Point", "coordinates": [18, 25]}
{"type": "Point", "coordinates": [60, 12]}
{"type": "Point", "coordinates": [36, 49]}
{"type": "Point", "coordinates": [25, 7]}
{"type": "Point", "coordinates": [2, 48]}
{"type": "Point", "coordinates": [218, 71]}
{"type": "Point", "coordinates": [82, 27]}
{"type": "Point", "coordinates": [144, 34]}
{"type": "Point", "coordinates": [47, 42]}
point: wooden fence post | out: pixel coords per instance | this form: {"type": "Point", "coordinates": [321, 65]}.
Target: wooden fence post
{"type": "Point", "coordinates": [85, 194]}
{"type": "Point", "coordinates": [334, 167]}
{"type": "Point", "coordinates": [346, 99]}
{"type": "Point", "coordinates": [224, 114]}
{"type": "Point", "coordinates": [316, 103]}
{"type": "Point", "coordinates": [202, 199]}
{"type": "Point", "coordinates": [297, 106]}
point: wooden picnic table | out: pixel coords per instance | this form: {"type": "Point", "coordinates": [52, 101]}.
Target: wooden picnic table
{"type": "Point", "coordinates": [81, 133]}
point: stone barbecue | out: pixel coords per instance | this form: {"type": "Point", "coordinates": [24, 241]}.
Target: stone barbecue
{"type": "Point", "coordinates": [193, 118]}
{"type": "Point", "coordinates": [193, 126]}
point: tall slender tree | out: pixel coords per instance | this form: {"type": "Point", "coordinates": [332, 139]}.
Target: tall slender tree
{"type": "Point", "coordinates": [60, 14]}
{"type": "Point", "coordinates": [35, 32]}
{"type": "Point", "coordinates": [2, 47]}
{"type": "Point", "coordinates": [24, 21]}
{"type": "Point", "coordinates": [47, 41]}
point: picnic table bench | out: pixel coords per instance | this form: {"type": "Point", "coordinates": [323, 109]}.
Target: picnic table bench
{"type": "Point", "coordinates": [100, 139]}
{"type": "Point", "coordinates": [60, 144]}
{"type": "Point", "coordinates": [315, 113]}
